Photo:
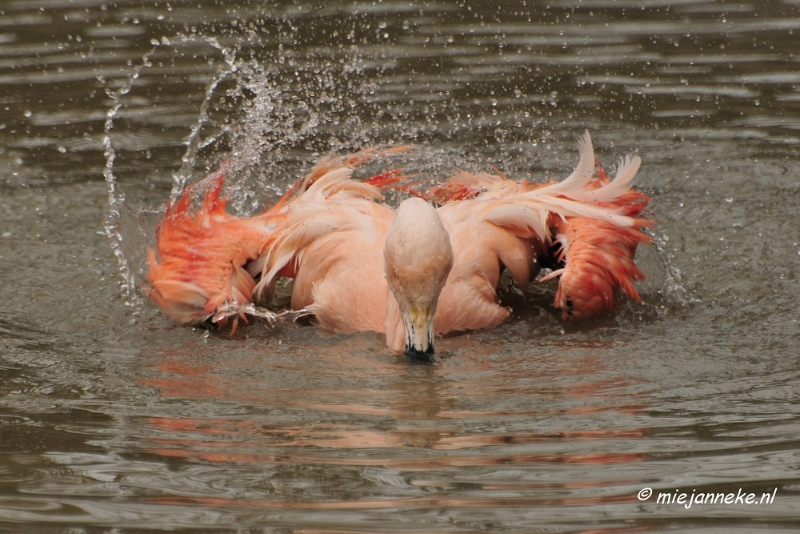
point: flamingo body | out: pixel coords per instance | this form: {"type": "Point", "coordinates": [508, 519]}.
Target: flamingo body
{"type": "Point", "coordinates": [359, 265]}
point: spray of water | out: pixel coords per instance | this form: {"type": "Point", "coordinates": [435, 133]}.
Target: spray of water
{"type": "Point", "coordinates": [673, 289]}
{"type": "Point", "coordinates": [262, 121]}
{"type": "Point", "coordinates": [118, 209]}
{"type": "Point", "coordinates": [116, 198]}
{"type": "Point", "coordinates": [194, 143]}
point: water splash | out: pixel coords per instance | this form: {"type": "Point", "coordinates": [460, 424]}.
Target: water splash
{"type": "Point", "coordinates": [194, 143]}
{"type": "Point", "coordinates": [673, 289]}
{"type": "Point", "coordinates": [264, 118]}
{"type": "Point", "coordinates": [116, 198]}
{"type": "Point", "coordinates": [122, 223]}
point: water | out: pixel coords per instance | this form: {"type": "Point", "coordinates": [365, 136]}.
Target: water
{"type": "Point", "coordinates": [112, 419]}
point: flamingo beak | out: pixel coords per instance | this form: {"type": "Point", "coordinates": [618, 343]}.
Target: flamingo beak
{"type": "Point", "coordinates": [418, 324]}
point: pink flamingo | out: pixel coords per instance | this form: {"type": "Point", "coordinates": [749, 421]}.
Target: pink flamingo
{"type": "Point", "coordinates": [413, 272]}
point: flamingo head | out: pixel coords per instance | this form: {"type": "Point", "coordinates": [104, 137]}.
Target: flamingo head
{"type": "Point", "coordinates": [418, 259]}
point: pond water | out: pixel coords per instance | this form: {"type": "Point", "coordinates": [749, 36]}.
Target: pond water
{"type": "Point", "coordinates": [113, 419]}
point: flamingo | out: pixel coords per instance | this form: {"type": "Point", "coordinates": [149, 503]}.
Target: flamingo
{"type": "Point", "coordinates": [429, 267]}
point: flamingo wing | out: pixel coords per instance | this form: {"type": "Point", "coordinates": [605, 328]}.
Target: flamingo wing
{"type": "Point", "coordinates": [328, 233]}
{"type": "Point", "coordinates": [331, 242]}
{"type": "Point", "coordinates": [495, 223]}
{"type": "Point", "coordinates": [210, 265]}
{"type": "Point", "coordinates": [196, 269]}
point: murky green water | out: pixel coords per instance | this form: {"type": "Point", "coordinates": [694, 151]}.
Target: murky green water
{"type": "Point", "coordinates": [112, 419]}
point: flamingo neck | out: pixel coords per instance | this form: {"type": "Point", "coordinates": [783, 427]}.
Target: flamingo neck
{"type": "Point", "coordinates": [418, 257]}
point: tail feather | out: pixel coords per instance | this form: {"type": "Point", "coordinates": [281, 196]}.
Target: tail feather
{"type": "Point", "coordinates": [526, 221]}
{"type": "Point", "coordinates": [580, 177]}
{"type": "Point", "coordinates": [527, 215]}
{"type": "Point", "coordinates": [527, 207]}
{"type": "Point", "coordinates": [626, 171]}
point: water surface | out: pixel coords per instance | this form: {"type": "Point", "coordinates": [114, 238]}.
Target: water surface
{"type": "Point", "coordinates": [114, 419]}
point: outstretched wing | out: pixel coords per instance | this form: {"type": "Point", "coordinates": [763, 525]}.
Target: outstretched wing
{"type": "Point", "coordinates": [207, 262]}
{"type": "Point", "coordinates": [197, 266]}
{"type": "Point", "coordinates": [593, 220]}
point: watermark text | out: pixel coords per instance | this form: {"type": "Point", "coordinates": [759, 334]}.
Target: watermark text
{"type": "Point", "coordinates": [698, 497]}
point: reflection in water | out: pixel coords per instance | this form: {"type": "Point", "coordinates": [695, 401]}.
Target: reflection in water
{"type": "Point", "coordinates": [416, 421]}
